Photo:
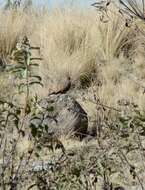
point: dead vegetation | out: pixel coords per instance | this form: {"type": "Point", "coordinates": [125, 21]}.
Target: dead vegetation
{"type": "Point", "coordinates": [102, 54]}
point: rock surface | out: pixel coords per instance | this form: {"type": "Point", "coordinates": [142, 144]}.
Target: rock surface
{"type": "Point", "coordinates": [61, 114]}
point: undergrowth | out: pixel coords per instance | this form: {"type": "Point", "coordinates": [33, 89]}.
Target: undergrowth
{"type": "Point", "coordinates": [102, 60]}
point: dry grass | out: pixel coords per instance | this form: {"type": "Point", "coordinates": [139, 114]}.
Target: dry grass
{"type": "Point", "coordinates": [12, 28]}
{"type": "Point", "coordinates": [78, 44]}
{"type": "Point", "coordinates": [109, 56]}
{"type": "Point", "coordinates": [74, 43]}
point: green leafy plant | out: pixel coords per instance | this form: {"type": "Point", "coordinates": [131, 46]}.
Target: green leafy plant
{"type": "Point", "coordinates": [23, 69]}
{"type": "Point", "coordinates": [12, 4]}
{"type": "Point", "coordinates": [15, 4]}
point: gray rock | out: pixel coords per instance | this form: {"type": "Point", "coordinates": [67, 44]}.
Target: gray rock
{"type": "Point", "coordinates": [61, 114]}
{"type": "Point", "coordinates": [42, 166]}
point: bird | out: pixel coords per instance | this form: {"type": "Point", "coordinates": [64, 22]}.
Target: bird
{"type": "Point", "coordinates": [65, 88]}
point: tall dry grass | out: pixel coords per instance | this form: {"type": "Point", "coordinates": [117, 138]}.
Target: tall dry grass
{"type": "Point", "coordinates": [76, 43]}
{"type": "Point", "coordinates": [12, 27]}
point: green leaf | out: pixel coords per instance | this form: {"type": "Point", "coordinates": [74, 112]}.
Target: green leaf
{"type": "Point", "coordinates": [28, 60]}
{"type": "Point", "coordinates": [34, 64]}
{"type": "Point", "coordinates": [122, 119]}
{"type": "Point", "coordinates": [37, 155]}
{"type": "Point", "coordinates": [40, 127]}
{"type": "Point", "coordinates": [46, 128]}
{"type": "Point", "coordinates": [50, 109]}
{"type": "Point", "coordinates": [14, 115]}
{"type": "Point", "coordinates": [18, 111]}
{"type": "Point", "coordinates": [16, 70]}
{"type": "Point", "coordinates": [39, 147]}
{"type": "Point", "coordinates": [36, 58]}
{"type": "Point", "coordinates": [35, 118]}
{"type": "Point", "coordinates": [37, 77]}
{"type": "Point", "coordinates": [24, 73]}
{"type": "Point", "coordinates": [21, 86]}
{"type": "Point", "coordinates": [34, 131]}
{"type": "Point", "coordinates": [16, 121]}
{"type": "Point", "coordinates": [36, 82]}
